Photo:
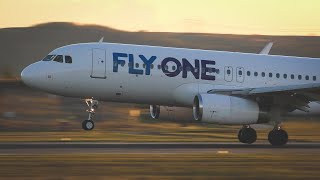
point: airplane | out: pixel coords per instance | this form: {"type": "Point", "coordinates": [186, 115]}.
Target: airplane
{"type": "Point", "coordinates": [207, 86]}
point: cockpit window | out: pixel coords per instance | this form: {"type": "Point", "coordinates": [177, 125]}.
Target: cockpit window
{"type": "Point", "coordinates": [48, 58]}
{"type": "Point", "coordinates": [68, 59]}
{"type": "Point", "coordinates": [59, 59]}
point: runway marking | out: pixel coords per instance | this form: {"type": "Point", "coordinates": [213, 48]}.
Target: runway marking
{"type": "Point", "coordinates": [223, 152]}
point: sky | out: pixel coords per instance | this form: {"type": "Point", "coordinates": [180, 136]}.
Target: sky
{"type": "Point", "coordinates": [269, 17]}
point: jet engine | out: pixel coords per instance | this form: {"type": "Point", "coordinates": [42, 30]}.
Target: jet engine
{"type": "Point", "coordinates": [178, 114]}
{"type": "Point", "coordinates": [224, 109]}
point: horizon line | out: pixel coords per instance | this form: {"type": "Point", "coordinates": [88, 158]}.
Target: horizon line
{"type": "Point", "coordinates": [77, 24]}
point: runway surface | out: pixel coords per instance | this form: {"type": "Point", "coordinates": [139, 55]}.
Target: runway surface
{"type": "Point", "coordinates": [167, 148]}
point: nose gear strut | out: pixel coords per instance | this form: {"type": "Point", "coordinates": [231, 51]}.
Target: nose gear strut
{"type": "Point", "coordinates": [92, 106]}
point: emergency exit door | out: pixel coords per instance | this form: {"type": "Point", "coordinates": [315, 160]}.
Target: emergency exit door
{"type": "Point", "coordinates": [228, 73]}
{"type": "Point", "coordinates": [98, 63]}
{"type": "Point", "coordinates": [240, 74]}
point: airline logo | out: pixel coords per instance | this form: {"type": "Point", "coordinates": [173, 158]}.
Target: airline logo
{"type": "Point", "coordinates": [203, 69]}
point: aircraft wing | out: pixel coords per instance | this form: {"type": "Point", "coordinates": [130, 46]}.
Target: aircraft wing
{"type": "Point", "coordinates": [291, 88]}
{"type": "Point", "coordinates": [273, 89]}
{"type": "Point", "coordinates": [266, 50]}
{"type": "Point", "coordinates": [296, 96]}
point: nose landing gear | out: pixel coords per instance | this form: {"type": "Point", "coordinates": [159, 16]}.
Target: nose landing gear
{"type": "Point", "coordinates": [93, 105]}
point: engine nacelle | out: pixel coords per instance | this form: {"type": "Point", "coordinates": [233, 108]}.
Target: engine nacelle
{"type": "Point", "coordinates": [223, 109]}
{"type": "Point", "coordinates": [155, 111]}
{"type": "Point", "coordinates": [178, 114]}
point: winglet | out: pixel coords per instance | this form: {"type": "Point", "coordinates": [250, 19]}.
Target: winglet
{"type": "Point", "coordinates": [267, 48]}
{"type": "Point", "coordinates": [101, 40]}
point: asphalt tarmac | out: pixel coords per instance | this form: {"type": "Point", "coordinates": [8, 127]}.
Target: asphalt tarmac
{"type": "Point", "coordinates": [152, 148]}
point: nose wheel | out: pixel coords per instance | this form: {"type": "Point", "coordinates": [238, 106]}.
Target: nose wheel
{"type": "Point", "coordinates": [92, 105]}
{"type": "Point", "coordinates": [87, 125]}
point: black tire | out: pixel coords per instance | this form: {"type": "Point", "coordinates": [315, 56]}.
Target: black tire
{"type": "Point", "coordinates": [88, 125]}
{"type": "Point", "coordinates": [240, 137]}
{"type": "Point", "coordinates": [278, 137]}
{"type": "Point", "coordinates": [247, 135]}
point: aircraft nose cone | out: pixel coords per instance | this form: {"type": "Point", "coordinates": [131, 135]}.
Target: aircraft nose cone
{"type": "Point", "coordinates": [27, 76]}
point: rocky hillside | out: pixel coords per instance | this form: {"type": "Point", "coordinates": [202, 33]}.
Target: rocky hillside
{"type": "Point", "coordinates": [22, 46]}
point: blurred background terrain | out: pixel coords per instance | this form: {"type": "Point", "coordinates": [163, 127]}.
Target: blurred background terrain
{"type": "Point", "coordinates": [23, 46]}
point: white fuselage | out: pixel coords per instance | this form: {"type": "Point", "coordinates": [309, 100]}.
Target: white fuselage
{"type": "Point", "coordinates": [97, 70]}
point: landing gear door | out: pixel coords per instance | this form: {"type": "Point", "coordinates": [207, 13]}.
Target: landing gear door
{"type": "Point", "coordinates": [240, 74]}
{"type": "Point", "coordinates": [98, 63]}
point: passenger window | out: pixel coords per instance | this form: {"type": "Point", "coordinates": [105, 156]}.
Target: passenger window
{"type": "Point", "coordinates": [278, 75]}
{"type": "Point", "coordinates": [217, 71]}
{"type": "Point", "coordinates": [299, 77]}
{"type": "Point", "coordinates": [263, 74]}
{"type": "Point", "coordinates": [255, 73]}
{"type": "Point", "coordinates": [144, 65]}
{"type": "Point", "coordinates": [248, 73]}
{"type": "Point", "coordinates": [59, 59]}
{"type": "Point", "coordinates": [270, 75]}
{"type": "Point", "coordinates": [228, 71]}
{"type": "Point", "coordinates": [137, 65]}
{"type": "Point", "coordinates": [285, 76]}
{"type": "Point", "coordinates": [240, 73]}
{"type": "Point", "coordinates": [123, 63]}
{"type": "Point", "coordinates": [173, 68]}
{"type": "Point", "coordinates": [151, 66]}
{"type": "Point", "coordinates": [292, 76]}
{"type": "Point", "coordinates": [314, 78]}
{"type": "Point", "coordinates": [307, 78]}
{"type": "Point", "coordinates": [68, 59]}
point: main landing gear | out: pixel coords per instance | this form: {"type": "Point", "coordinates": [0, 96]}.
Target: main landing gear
{"type": "Point", "coordinates": [93, 105]}
{"type": "Point", "coordinates": [247, 135]}
{"type": "Point", "coordinates": [276, 137]}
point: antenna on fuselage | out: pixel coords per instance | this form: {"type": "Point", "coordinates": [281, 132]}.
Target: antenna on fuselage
{"type": "Point", "coordinates": [101, 40]}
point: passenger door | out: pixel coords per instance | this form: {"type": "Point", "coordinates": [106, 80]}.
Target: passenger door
{"type": "Point", "coordinates": [98, 63]}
